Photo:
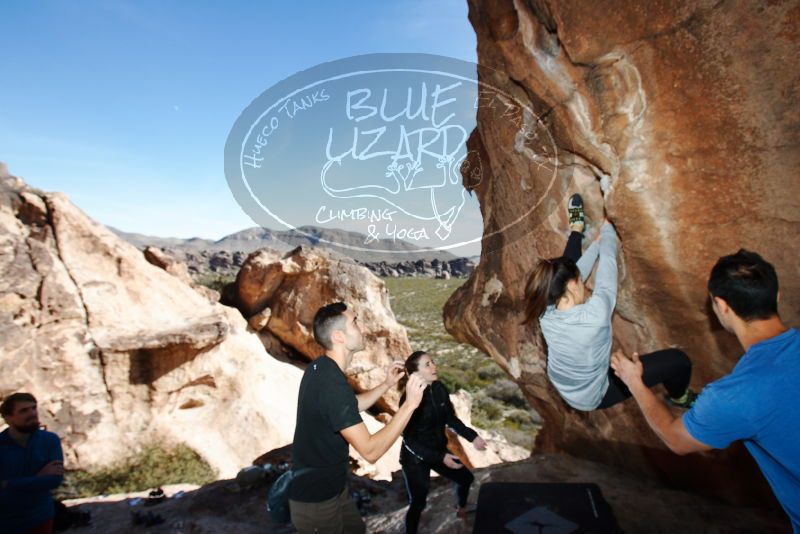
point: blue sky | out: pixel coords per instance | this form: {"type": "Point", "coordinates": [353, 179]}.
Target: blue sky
{"type": "Point", "coordinates": [126, 106]}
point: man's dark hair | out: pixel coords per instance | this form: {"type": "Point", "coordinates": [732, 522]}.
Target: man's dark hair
{"type": "Point", "coordinates": [748, 283]}
{"type": "Point", "coordinates": [7, 408]}
{"type": "Point", "coordinates": [328, 319]}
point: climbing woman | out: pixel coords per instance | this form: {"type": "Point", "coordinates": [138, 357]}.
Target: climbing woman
{"type": "Point", "coordinates": [425, 442]}
{"type": "Point", "coordinates": [576, 324]}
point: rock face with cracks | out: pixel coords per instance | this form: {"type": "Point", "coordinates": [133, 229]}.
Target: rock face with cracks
{"type": "Point", "coordinates": [121, 354]}
{"type": "Point", "coordinates": [680, 123]}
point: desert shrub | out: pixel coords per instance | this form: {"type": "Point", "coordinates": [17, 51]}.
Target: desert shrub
{"type": "Point", "coordinates": [490, 372]}
{"type": "Point", "coordinates": [454, 380]}
{"type": "Point", "coordinates": [488, 409]}
{"type": "Point", "coordinates": [520, 418]}
{"type": "Point", "coordinates": [154, 466]}
{"type": "Point", "coordinates": [507, 391]}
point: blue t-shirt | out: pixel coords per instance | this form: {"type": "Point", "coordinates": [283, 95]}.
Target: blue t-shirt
{"type": "Point", "coordinates": [26, 501]}
{"type": "Point", "coordinates": [757, 403]}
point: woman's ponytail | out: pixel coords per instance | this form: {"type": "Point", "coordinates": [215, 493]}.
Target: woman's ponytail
{"type": "Point", "coordinates": [546, 285]}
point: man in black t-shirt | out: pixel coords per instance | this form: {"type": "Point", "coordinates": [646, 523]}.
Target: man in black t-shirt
{"type": "Point", "coordinates": [328, 419]}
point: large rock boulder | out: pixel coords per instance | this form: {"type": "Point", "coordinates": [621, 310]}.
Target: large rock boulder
{"type": "Point", "coordinates": [165, 260]}
{"type": "Point", "coordinates": [680, 122]}
{"type": "Point", "coordinates": [295, 285]}
{"type": "Point", "coordinates": [120, 353]}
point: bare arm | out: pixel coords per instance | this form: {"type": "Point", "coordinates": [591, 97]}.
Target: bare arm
{"type": "Point", "coordinates": [373, 446]}
{"type": "Point", "coordinates": [368, 398]}
{"type": "Point", "coordinates": [669, 429]}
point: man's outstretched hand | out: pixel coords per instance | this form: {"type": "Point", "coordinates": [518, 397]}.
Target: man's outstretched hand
{"type": "Point", "coordinates": [394, 373]}
{"type": "Point", "coordinates": [629, 370]}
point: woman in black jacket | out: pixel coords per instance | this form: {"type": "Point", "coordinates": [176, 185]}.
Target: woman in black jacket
{"type": "Point", "coordinates": [425, 442]}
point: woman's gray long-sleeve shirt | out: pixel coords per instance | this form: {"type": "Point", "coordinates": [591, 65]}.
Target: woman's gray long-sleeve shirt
{"type": "Point", "coordinates": [579, 339]}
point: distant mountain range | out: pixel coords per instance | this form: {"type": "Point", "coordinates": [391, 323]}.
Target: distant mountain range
{"type": "Point", "coordinates": [255, 238]}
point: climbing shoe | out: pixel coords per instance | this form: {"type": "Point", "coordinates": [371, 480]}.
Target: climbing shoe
{"type": "Point", "coordinates": [577, 220]}
{"type": "Point", "coordinates": [685, 402]}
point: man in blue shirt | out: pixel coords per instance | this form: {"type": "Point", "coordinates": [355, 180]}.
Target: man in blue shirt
{"type": "Point", "coordinates": [757, 402]}
{"type": "Point", "coordinates": [31, 466]}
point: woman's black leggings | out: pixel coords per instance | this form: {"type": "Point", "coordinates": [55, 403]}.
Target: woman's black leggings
{"type": "Point", "coordinates": [418, 481]}
{"type": "Point", "coordinates": [670, 367]}
{"type": "Point", "coordinates": [573, 249]}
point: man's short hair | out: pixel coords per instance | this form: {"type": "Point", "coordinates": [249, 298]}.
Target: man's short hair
{"type": "Point", "coordinates": [9, 403]}
{"type": "Point", "coordinates": [748, 283]}
{"type": "Point", "coordinates": [328, 319]}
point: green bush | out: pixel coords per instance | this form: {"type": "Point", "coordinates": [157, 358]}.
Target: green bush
{"type": "Point", "coordinates": [153, 467]}
{"type": "Point", "coordinates": [520, 418]}
{"type": "Point", "coordinates": [490, 372]}
{"type": "Point", "coordinates": [488, 409]}
{"type": "Point", "coordinates": [507, 391]}
{"type": "Point", "coordinates": [454, 380]}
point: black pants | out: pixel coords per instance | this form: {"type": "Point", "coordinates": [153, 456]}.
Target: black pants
{"type": "Point", "coordinates": [418, 481]}
{"type": "Point", "coordinates": [670, 367]}
{"type": "Point", "coordinates": [573, 249]}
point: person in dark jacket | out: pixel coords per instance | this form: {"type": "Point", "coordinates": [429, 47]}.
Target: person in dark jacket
{"type": "Point", "coordinates": [425, 442]}
{"type": "Point", "coordinates": [31, 466]}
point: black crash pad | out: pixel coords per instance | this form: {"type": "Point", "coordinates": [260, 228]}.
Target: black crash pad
{"type": "Point", "coordinates": [533, 508]}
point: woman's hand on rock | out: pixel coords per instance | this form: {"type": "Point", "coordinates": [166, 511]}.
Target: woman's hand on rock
{"type": "Point", "coordinates": [479, 443]}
